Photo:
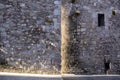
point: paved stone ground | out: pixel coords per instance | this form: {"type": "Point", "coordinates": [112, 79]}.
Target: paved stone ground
{"type": "Point", "coordinates": [91, 77]}
{"type": "Point", "coordinates": [27, 78]}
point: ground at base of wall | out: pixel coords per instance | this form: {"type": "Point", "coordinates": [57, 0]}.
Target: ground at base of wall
{"type": "Point", "coordinates": [15, 70]}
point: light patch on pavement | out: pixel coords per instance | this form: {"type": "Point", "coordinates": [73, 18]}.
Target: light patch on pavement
{"type": "Point", "coordinates": [29, 75]}
{"type": "Point", "coordinates": [50, 76]}
{"type": "Point", "coordinates": [74, 75]}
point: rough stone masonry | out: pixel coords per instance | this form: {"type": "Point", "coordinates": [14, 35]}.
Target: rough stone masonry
{"type": "Point", "coordinates": [30, 36]}
{"type": "Point", "coordinates": [50, 36]}
{"type": "Point", "coordinates": [90, 36]}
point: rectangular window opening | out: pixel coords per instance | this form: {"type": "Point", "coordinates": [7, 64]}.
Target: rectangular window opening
{"type": "Point", "coordinates": [101, 20]}
{"type": "Point", "coordinates": [73, 1]}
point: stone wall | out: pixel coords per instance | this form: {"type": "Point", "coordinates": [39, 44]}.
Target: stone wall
{"type": "Point", "coordinates": [30, 36]}
{"type": "Point", "coordinates": [30, 39]}
{"type": "Point", "coordinates": [92, 49]}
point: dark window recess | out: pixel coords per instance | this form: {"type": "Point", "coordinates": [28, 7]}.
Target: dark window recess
{"type": "Point", "coordinates": [73, 1]}
{"type": "Point", "coordinates": [114, 12]}
{"type": "Point", "coordinates": [101, 20]}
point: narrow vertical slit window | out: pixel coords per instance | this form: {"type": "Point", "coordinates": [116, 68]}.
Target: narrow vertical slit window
{"type": "Point", "coordinates": [101, 20]}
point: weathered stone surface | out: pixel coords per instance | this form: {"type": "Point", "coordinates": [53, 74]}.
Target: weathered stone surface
{"type": "Point", "coordinates": [96, 45]}
{"type": "Point", "coordinates": [29, 38]}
